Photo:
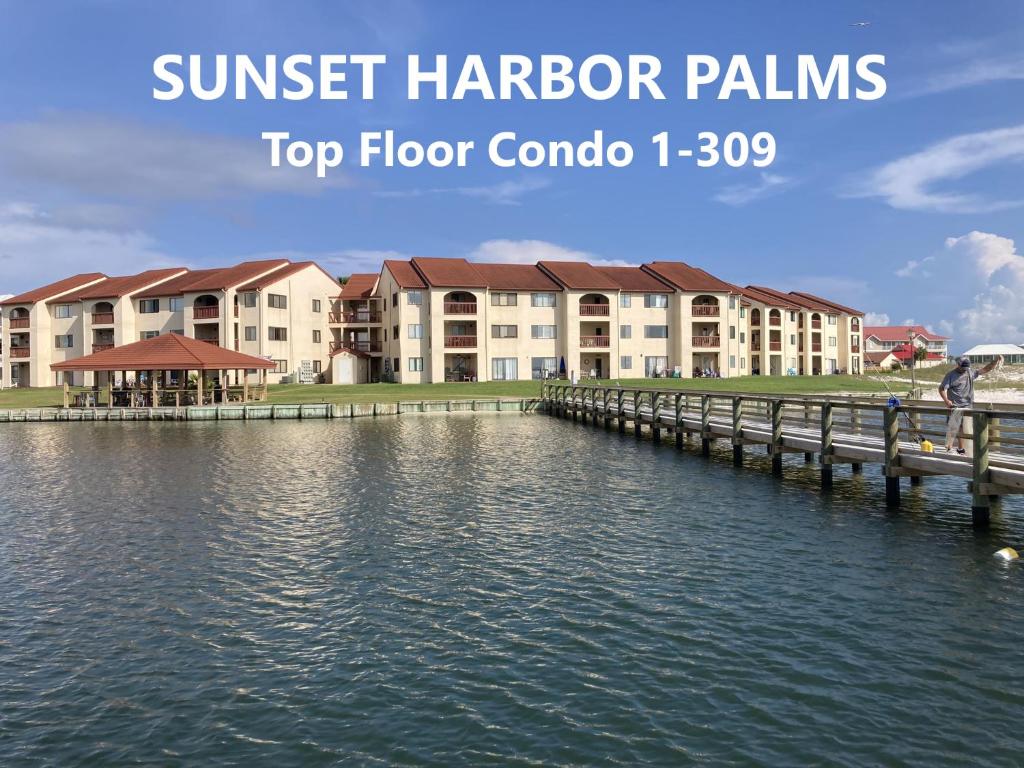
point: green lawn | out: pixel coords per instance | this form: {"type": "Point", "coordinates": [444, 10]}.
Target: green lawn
{"type": "Point", "coordinates": [389, 393]}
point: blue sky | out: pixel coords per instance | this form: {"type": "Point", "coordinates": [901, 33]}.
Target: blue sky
{"type": "Point", "coordinates": [908, 207]}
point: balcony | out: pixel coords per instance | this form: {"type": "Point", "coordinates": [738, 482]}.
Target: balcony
{"type": "Point", "coordinates": [855, 348]}
{"type": "Point", "coordinates": [18, 322]}
{"type": "Point", "coordinates": [595, 341]}
{"type": "Point", "coordinates": [776, 321]}
{"type": "Point", "coordinates": [755, 346]}
{"type": "Point", "coordinates": [815, 346]}
{"type": "Point", "coordinates": [102, 347]}
{"type": "Point", "coordinates": [705, 310]}
{"type": "Point", "coordinates": [364, 317]}
{"type": "Point", "coordinates": [206, 313]}
{"type": "Point", "coordinates": [102, 318]}
{"type": "Point", "coordinates": [816, 324]}
{"type": "Point", "coordinates": [17, 352]}
{"type": "Point", "coordinates": [594, 310]}
{"type": "Point", "coordinates": [356, 346]}
{"type": "Point", "coordinates": [460, 341]}
{"type": "Point", "coordinates": [236, 310]}
{"type": "Point", "coordinates": [774, 346]}
{"type": "Point", "coordinates": [460, 308]}
{"type": "Point", "coordinates": [705, 342]}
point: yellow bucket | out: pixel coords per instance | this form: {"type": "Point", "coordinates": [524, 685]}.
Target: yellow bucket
{"type": "Point", "coordinates": [927, 447]}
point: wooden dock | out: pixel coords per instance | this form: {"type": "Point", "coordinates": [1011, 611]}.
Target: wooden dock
{"type": "Point", "coordinates": [836, 429]}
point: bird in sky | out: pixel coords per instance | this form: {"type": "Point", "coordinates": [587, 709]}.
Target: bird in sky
{"type": "Point", "coordinates": [861, 24]}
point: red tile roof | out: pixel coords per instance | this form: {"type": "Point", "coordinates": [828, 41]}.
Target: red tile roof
{"type": "Point", "coordinates": [115, 287]}
{"type": "Point", "coordinates": [904, 353]}
{"type": "Point", "coordinates": [813, 304]}
{"type": "Point", "coordinates": [687, 278]}
{"type": "Point", "coordinates": [876, 357]}
{"type": "Point", "coordinates": [900, 333]}
{"type": "Point", "coordinates": [579, 275]}
{"type": "Point", "coordinates": [280, 274]}
{"type": "Point", "coordinates": [636, 280]}
{"type": "Point", "coordinates": [769, 297]}
{"type": "Point", "coordinates": [449, 273]}
{"type": "Point", "coordinates": [65, 286]}
{"type": "Point", "coordinates": [178, 285]}
{"type": "Point", "coordinates": [404, 273]}
{"type": "Point", "coordinates": [239, 274]}
{"type": "Point", "coordinates": [516, 277]}
{"type": "Point", "coordinates": [169, 352]}
{"type": "Point", "coordinates": [836, 307]}
{"type": "Point", "coordinates": [358, 287]}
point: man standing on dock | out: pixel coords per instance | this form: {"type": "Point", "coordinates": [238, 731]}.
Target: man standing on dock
{"type": "Point", "coordinates": [957, 392]}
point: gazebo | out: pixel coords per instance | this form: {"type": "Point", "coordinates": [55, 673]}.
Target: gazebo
{"type": "Point", "coordinates": [166, 362]}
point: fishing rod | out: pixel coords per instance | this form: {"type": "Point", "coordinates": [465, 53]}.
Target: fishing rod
{"type": "Point", "coordinates": [894, 402]}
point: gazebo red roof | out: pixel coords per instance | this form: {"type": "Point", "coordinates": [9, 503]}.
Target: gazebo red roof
{"type": "Point", "coordinates": [168, 352]}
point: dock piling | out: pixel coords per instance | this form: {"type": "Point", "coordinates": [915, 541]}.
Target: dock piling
{"type": "Point", "coordinates": [737, 432]}
{"type": "Point", "coordinates": [825, 452]}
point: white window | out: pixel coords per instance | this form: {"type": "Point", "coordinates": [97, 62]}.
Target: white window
{"type": "Point", "coordinates": [415, 330]}
{"type": "Point", "coordinates": [316, 336]}
{"type": "Point", "coordinates": [626, 362]}
{"type": "Point", "coordinates": [743, 363]}
{"type": "Point", "coordinates": [250, 333]}
{"type": "Point", "coordinates": [149, 306]}
{"type": "Point", "coordinates": [176, 303]}
{"type": "Point", "coordinates": [655, 331]}
{"type": "Point", "coordinates": [143, 335]}
{"type": "Point", "coordinates": [792, 316]}
{"type": "Point", "coordinates": [277, 301]}
{"type": "Point", "coordinates": [654, 365]}
{"type": "Point", "coordinates": [249, 299]}
{"type": "Point", "coordinates": [64, 342]}
{"type": "Point", "coordinates": [743, 312]}
{"type": "Point", "coordinates": [832, 341]}
{"type": "Point", "coordinates": [277, 334]}
{"type": "Point", "coordinates": [543, 331]}
{"type": "Point", "coordinates": [316, 366]}
{"type": "Point", "coordinates": [832, 319]}
{"type": "Point", "coordinates": [542, 300]}
{"type": "Point", "coordinates": [544, 367]}
{"type": "Point", "coordinates": [282, 366]}
{"type": "Point", "coordinates": [625, 331]}
{"type": "Point", "coordinates": [504, 331]}
{"type": "Point", "coordinates": [656, 300]}
{"type": "Point", "coordinates": [732, 302]}
{"type": "Point", "coordinates": [504, 369]}
{"type": "Point", "coordinates": [316, 305]}
{"type": "Point", "coordinates": [504, 299]}
{"type": "Point", "coordinates": [792, 338]}
{"type": "Point", "coordinates": [732, 361]}
{"type": "Point", "coordinates": [415, 364]}
{"type": "Point", "coordinates": [415, 299]}
{"type": "Point", "coordinates": [743, 337]}
{"type": "Point", "coordinates": [732, 331]}
{"type": "Point", "coordinates": [624, 300]}
{"type": "Point", "coordinates": [62, 311]}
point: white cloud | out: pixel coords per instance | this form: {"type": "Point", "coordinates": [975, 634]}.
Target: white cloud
{"type": "Point", "coordinates": [36, 249]}
{"type": "Point", "coordinates": [876, 318]}
{"type": "Point", "coordinates": [741, 194]}
{"type": "Point", "coordinates": [106, 157]}
{"type": "Point", "coordinates": [532, 251]}
{"type": "Point", "coordinates": [913, 266]}
{"type": "Point", "coordinates": [909, 182]}
{"type": "Point", "coordinates": [502, 193]}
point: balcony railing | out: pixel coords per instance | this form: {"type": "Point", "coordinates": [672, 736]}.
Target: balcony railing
{"type": "Point", "coordinates": [815, 346]}
{"type": "Point", "coordinates": [816, 324]}
{"type": "Point", "coordinates": [18, 322]}
{"type": "Point", "coordinates": [855, 348]}
{"type": "Point", "coordinates": [594, 310]}
{"type": "Point", "coordinates": [755, 346]}
{"type": "Point", "coordinates": [102, 347]}
{"type": "Point", "coordinates": [595, 341]}
{"type": "Point", "coordinates": [774, 346]}
{"type": "Point", "coordinates": [460, 307]}
{"type": "Point", "coordinates": [356, 346]}
{"type": "Point", "coordinates": [776, 321]}
{"type": "Point", "coordinates": [206, 313]}
{"type": "Point", "coordinates": [705, 310]}
{"type": "Point", "coordinates": [102, 318]}
{"type": "Point", "coordinates": [355, 316]}
{"type": "Point", "coordinates": [460, 341]}
{"type": "Point", "coordinates": [236, 310]}
{"type": "Point", "coordinates": [20, 352]}
{"type": "Point", "coordinates": [706, 341]}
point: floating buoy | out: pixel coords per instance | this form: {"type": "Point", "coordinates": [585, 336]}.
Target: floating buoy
{"type": "Point", "coordinates": [1007, 553]}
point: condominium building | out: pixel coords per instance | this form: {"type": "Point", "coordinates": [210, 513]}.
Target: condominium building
{"type": "Point", "coordinates": [443, 319]}
{"type": "Point", "coordinates": [885, 338]}
{"type": "Point", "coordinates": [274, 309]}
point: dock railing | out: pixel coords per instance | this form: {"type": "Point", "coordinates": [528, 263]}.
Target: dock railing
{"type": "Point", "coordinates": [839, 429]}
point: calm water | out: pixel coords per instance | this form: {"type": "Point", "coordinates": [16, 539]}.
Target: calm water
{"type": "Point", "coordinates": [486, 590]}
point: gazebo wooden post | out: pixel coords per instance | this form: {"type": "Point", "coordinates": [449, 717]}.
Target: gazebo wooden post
{"type": "Point", "coordinates": [153, 389]}
{"type": "Point", "coordinates": [110, 389]}
{"type": "Point", "coordinates": [66, 390]}
{"type": "Point", "coordinates": [201, 384]}
{"type": "Point", "coordinates": [245, 386]}
{"type": "Point", "coordinates": [224, 386]}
